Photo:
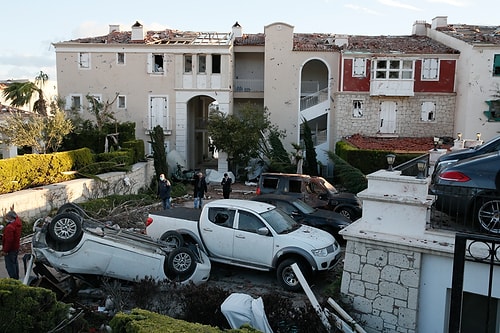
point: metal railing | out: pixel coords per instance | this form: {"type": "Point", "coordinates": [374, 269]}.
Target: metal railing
{"type": "Point", "coordinates": [410, 168]}
{"type": "Point", "coordinates": [241, 85]}
{"type": "Point", "coordinates": [313, 99]}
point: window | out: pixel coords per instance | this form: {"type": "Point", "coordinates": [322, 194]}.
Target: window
{"type": "Point", "coordinates": [357, 109]}
{"type": "Point", "coordinates": [202, 63]}
{"type": "Point", "coordinates": [74, 102]}
{"type": "Point", "coordinates": [428, 112]}
{"type": "Point", "coordinates": [393, 69]}
{"type": "Point", "coordinates": [358, 67]}
{"type": "Point", "coordinates": [496, 65]}
{"type": "Point", "coordinates": [221, 216]}
{"type": "Point", "coordinates": [97, 98]}
{"type": "Point", "coordinates": [84, 60]}
{"type": "Point", "coordinates": [430, 69]}
{"type": "Point", "coordinates": [249, 222]}
{"type": "Point", "coordinates": [216, 63]}
{"type": "Point", "coordinates": [122, 102]}
{"type": "Point", "coordinates": [120, 58]}
{"type": "Point", "coordinates": [158, 63]}
{"type": "Point", "coordinates": [188, 63]}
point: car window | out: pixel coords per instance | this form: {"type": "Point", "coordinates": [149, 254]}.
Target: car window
{"type": "Point", "coordinates": [270, 183]}
{"type": "Point", "coordinates": [295, 185]}
{"type": "Point", "coordinates": [317, 188]}
{"type": "Point", "coordinates": [286, 207]}
{"type": "Point", "coordinates": [249, 222]}
{"type": "Point", "coordinates": [221, 216]}
{"type": "Point", "coordinates": [280, 221]}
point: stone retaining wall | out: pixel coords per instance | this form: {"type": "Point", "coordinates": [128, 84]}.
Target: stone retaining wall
{"type": "Point", "coordinates": [38, 202]}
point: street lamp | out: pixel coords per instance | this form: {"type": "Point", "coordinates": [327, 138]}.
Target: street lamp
{"type": "Point", "coordinates": [421, 168]}
{"type": "Point", "coordinates": [390, 161]}
{"type": "Point", "coordinates": [459, 136]}
{"type": "Point", "coordinates": [436, 141]}
{"type": "Point", "coordinates": [478, 136]}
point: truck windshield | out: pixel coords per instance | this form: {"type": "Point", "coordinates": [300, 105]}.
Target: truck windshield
{"type": "Point", "coordinates": [280, 221]}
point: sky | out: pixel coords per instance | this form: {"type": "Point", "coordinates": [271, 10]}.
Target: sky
{"type": "Point", "coordinates": [31, 26]}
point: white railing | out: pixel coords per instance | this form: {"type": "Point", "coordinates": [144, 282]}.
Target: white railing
{"type": "Point", "coordinates": [313, 99]}
{"type": "Point", "coordinates": [241, 85]}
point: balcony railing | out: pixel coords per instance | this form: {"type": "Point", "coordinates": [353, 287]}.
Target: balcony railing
{"type": "Point", "coordinates": [241, 85]}
{"type": "Point", "coordinates": [313, 99]}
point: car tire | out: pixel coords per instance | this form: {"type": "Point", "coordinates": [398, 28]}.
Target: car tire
{"type": "Point", "coordinates": [73, 208]}
{"type": "Point", "coordinates": [488, 214]}
{"type": "Point", "coordinates": [346, 212]}
{"type": "Point", "coordinates": [66, 227]}
{"type": "Point", "coordinates": [172, 239]}
{"type": "Point", "coordinates": [181, 263]}
{"type": "Point", "coordinates": [286, 276]}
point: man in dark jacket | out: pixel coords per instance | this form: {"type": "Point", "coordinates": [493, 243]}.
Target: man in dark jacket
{"type": "Point", "coordinates": [11, 242]}
{"type": "Point", "coordinates": [226, 186]}
{"type": "Point", "coordinates": [164, 190]}
{"type": "Point", "coordinates": [200, 187]}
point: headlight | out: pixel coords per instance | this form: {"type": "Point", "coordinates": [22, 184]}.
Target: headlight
{"type": "Point", "coordinates": [320, 252]}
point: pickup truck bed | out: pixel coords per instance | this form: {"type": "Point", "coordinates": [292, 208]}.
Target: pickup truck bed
{"type": "Point", "coordinates": [185, 213]}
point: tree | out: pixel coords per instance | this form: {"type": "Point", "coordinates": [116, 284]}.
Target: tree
{"type": "Point", "coordinates": [101, 110]}
{"type": "Point", "coordinates": [21, 93]}
{"type": "Point", "coordinates": [238, 134]}
{"type": "Point", "coordinates": [310, 163]}
{"type": "Point", "coordinates": [158, 145]}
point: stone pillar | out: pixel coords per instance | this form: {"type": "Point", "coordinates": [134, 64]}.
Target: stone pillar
{"type": "Point", "coordinates": [9, 151]}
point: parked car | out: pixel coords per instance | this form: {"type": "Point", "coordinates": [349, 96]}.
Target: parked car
{"type": "Point", "coordinates": [455, 156]}
{"type": "Point", "coordinates": [317, 192]}
{"type": "Point", "coordinates": [301, 212]}
{"type": "Point", "coordinates": [471, 189]}
{"type": "Point", "coordinates": [75, 244]}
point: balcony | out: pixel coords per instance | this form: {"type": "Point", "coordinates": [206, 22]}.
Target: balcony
{"type": "Point", "coordinates": [248, 85]}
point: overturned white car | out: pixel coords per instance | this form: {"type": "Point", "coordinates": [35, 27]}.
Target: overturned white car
{"type": "Point", "coordinates": [73, 243]}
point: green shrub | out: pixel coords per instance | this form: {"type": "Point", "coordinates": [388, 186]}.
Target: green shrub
{"type": "Point", "coordinates": [29, 309]}
{"type": "Point", "coordinates": [138, 148]}
{"type": "Point", "coordinates": [351, 178]}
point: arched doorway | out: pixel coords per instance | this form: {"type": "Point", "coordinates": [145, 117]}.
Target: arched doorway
{"type": "Point", "coordinates": [198, 143]}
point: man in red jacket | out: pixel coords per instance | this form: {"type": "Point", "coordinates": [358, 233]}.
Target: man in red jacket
{"type": "Point", "coordinates": [11, 242]}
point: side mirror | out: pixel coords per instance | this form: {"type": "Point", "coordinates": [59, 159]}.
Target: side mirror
{"type": "Point", "coordinates": [263, 231]}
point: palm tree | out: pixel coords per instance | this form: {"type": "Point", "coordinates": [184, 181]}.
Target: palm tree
{"type": "Point", "coordinates": [20, 93]}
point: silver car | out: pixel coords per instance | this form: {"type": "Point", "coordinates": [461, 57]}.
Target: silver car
{"type": "Point", "coordinates": [80, 246]}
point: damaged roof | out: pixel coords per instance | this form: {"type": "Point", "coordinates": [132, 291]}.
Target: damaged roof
{"type": "Point", "coordinates": [473, 34]}
{"type": "Point", "coordinates": [167, 36]}
{"type": "Point", "coordinates": [413, 44]}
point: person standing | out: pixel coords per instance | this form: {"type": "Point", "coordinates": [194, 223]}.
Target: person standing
{"type": "Point", "coordinates": [200, 187]}
{"type": "Point", "coordinates": [226, 186]}
{"type": "Point", "coordinates": [164, 190]}
{"type": "Point", "coordinates": [11, 243]}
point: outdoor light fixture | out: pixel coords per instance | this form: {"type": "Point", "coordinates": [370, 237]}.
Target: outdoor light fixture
{"type": "Point", "coordinates": [421, 168]}
{"type": "Point", "coordinates": [436, 141]}
{"type": "Point", "coordinates": [390, 161]}
{"type": "Point", "coordinates": [478, 136]}
{"type": "Point", "coordinates": [459, 136]}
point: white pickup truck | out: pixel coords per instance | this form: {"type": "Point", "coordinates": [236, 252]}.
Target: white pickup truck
{"type": "Point", "coordinates": [249, 234]}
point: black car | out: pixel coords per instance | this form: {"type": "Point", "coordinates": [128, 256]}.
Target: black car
{"type": "Point", "coordinates": [470, 189]}
{"type": "Point", "coordinates": [303, 213]}
{"type": "Point", "coordinates": [455, 156]}
{"type": "Point", "coordinates": [317, 192]}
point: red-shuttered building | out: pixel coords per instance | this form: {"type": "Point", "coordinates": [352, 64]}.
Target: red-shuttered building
{"type": "Point", "coordinates": [396, 86]}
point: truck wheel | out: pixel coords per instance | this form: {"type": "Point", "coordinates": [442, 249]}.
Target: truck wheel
{"type": "Point", "coordinates": [66, 227]}
{"type": "Point", "coordinates": [346, 212]}
{"type": "Point", "coordinates": [173, 239]}
{"type": "Point", "coordinates": [286, 276]}
{"type": "Point", "coordinates": [73, 208]}
{"type": "Point", "coordinates": [181, 263]}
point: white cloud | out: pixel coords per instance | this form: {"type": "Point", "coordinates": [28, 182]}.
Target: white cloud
{"type": "Point", "coordinates": [456, 3]}
{"type": "Point", "coordinates": [398, 4]}
{"type": "Point", "coordinates": [363, 9]}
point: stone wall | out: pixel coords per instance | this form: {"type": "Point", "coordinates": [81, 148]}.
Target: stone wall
{"type": "Point", "coordinates": [382, 283]}
{"type": "Point", "coordinates": [39, 201]}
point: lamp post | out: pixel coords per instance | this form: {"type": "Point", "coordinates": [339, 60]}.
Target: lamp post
{"type": "Point", "coordinates": [390, 161]}
{"type": "Point", "coordinates": [459, 136]}
{"type": "Point", "coordinates": [421, 168]}
{"type": "Point", "coordinates": [436, 141]}
{"type": "Point", "coordinates": [478, 136]}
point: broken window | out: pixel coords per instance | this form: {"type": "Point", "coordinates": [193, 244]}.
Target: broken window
{"type": "Point", "coordinates": [120, 58]}
{"type": "Point", "coordinates": [496, 65]}
{"type": "Point", "coordinates": [84, 60]}
{"type": "Point", "coordinates": [357, 108]}
{"type": "Point", "coordinates": [393, 69]}
{"type": "Point", "coordinates": [188, 63]}
{"type": "Point", "coordinates": [216, 65]}
{"type": "Point", "coordinates": [158, 63]}
{"type": "Point", "coordinates": [122, 102]}
{"type": "Point", "coordinates": [430, 69]}
{"type": "Point", "coordinates": [202, 63]}
{"type": "Point", "coordinates": [428, 112]}
{"type": "Point", "coordinates": [74, 102]}
{"type": "Point", "coordinates": [358, 67]}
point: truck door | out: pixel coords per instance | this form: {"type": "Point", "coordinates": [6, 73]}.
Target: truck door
{"type": "Point", "coordinates": [249, 246]}
{"type": "Point", "coordinates": [218, 232]}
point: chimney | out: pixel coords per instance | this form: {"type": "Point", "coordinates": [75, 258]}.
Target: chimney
{"type": "Point", "coordinates": [237, 30]}
{"type": "Point", "coordinates": [439, 22]}
{"type": "Point", "coordinates": [419, 28]}
{"type": "Point", "coordinates": [114, 28]}
{"type": "Point", "coordinates": [341, 40]}
{"type": "Point", "coordinates": [137, 32]}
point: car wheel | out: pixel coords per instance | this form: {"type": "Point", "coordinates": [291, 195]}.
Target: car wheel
{"type": "Point", "coordinates": [346, 212]}
{"type": "Point", "coordinates": [172, 239]}
{"type": "Point", "coordinates": [286, 276]}
{"type": "Point", "coordinates": [73, 208]}
{"type": "Point", "coordinates": [488, 215]}
{"type": "Point", "coordinates": [181, 262]}
{"type": "Point", "coordinates": [66, 227]}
